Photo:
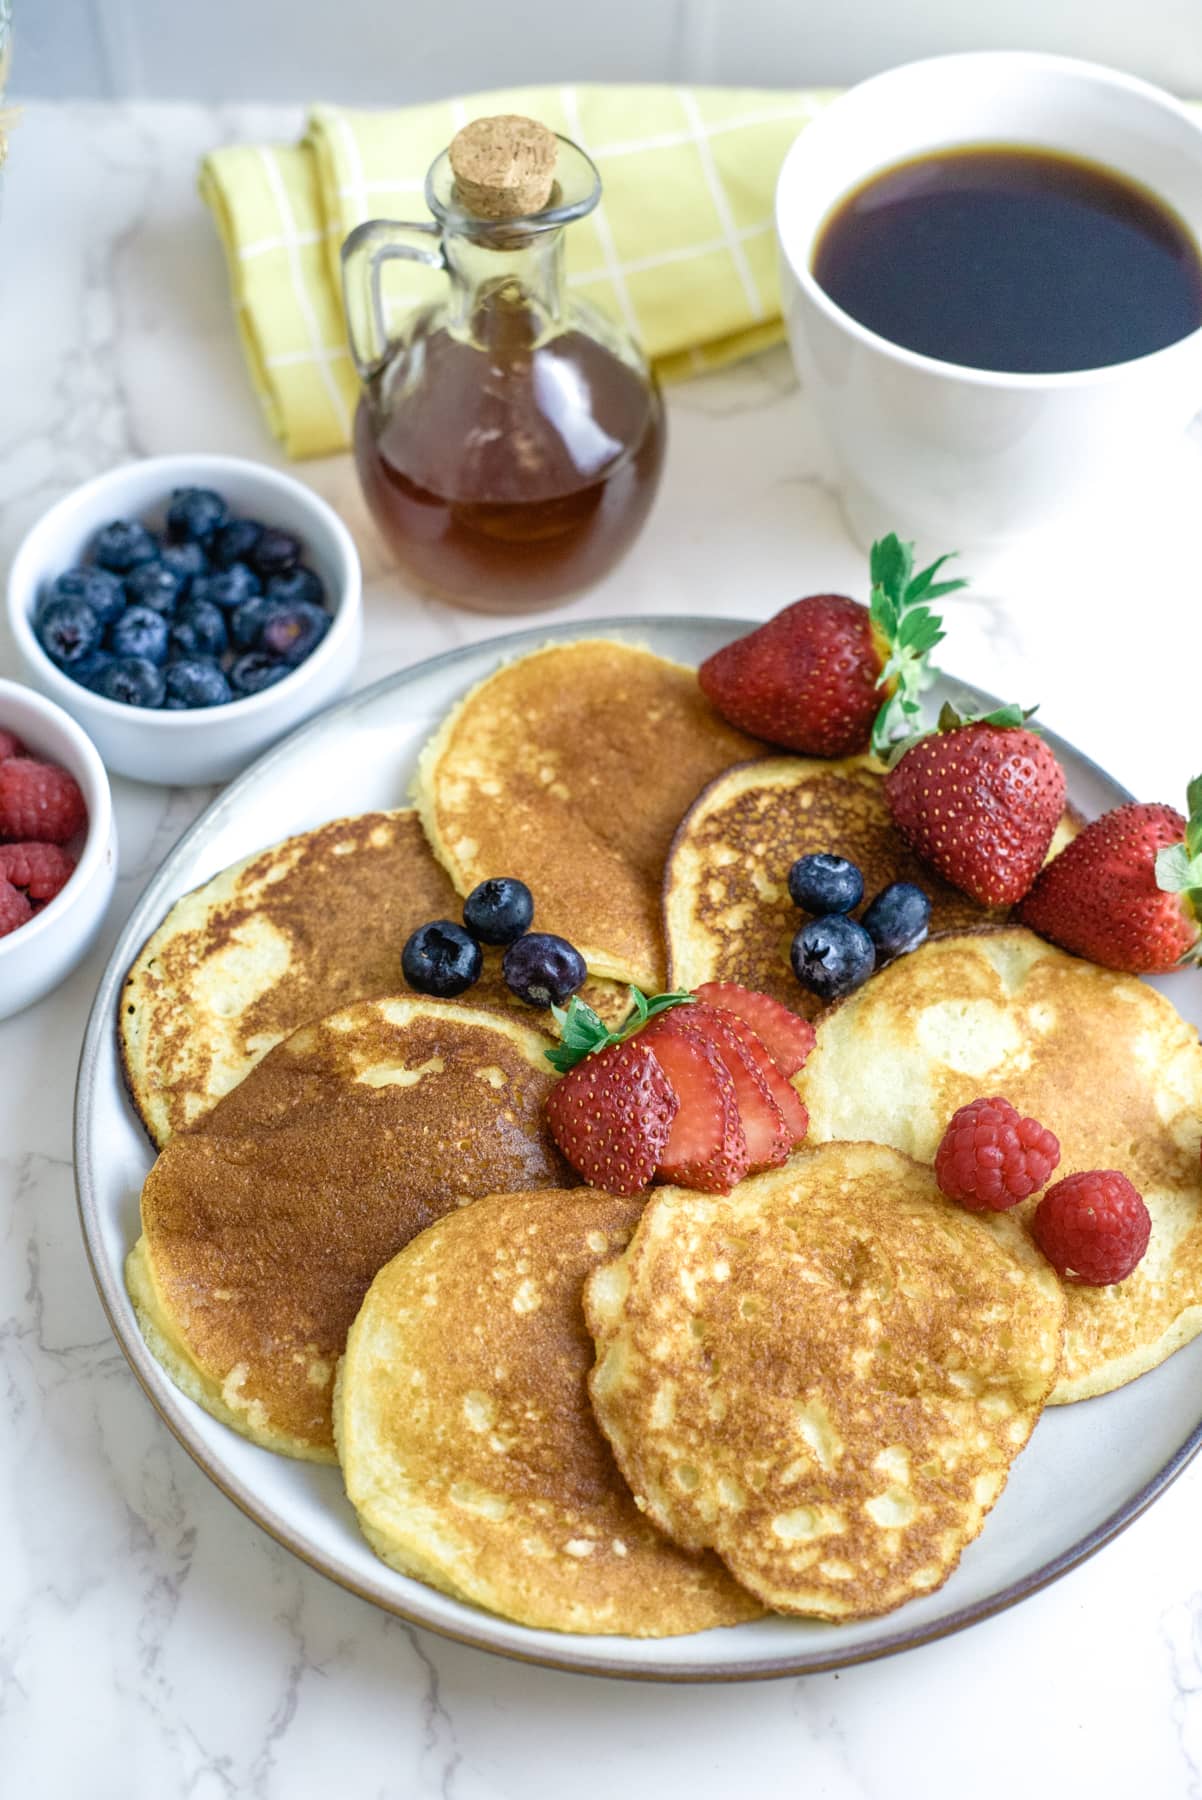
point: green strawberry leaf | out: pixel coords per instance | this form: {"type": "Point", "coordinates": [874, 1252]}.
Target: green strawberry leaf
{"type": "Point", "coordinates": [582, 1031]}
{"type": "Point", "coordinates": [1177, 872]}
{"type": "Point", "coordinates": [925, 587]}
{"type": "Point", "coordinates": [890, 562]}
{"type": "Point", "coordinates": [898, 609]}
{"type": "Point", "coordinates": [1193, 804]}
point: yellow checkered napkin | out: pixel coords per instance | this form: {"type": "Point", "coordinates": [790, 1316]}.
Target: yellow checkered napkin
{"type": "Point", "coordinates": [680, 249]}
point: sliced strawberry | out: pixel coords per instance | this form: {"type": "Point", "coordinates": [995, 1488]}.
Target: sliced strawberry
{"type": "Point", "coordinates": [764, 1128]}
{"type": "Point", "coordinates": [706, 1146]}
{"type": "Point", "coordinates": [789, 1039]}
{"type": "Point", "coordinates": [612, 1116]}
{"type": "Point", "coordinates": [794, 1117]}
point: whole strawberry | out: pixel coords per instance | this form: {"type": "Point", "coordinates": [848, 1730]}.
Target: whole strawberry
{"type": "Point", "coordinates": [828, 675]}
{"type": "Point", "coordinates": [979, 800]}
{"type": "Point", "coordinates": [1127, 892]}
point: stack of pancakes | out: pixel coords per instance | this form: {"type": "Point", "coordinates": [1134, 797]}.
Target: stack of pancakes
{"type": "Point", "coordinates": [359, 1241]}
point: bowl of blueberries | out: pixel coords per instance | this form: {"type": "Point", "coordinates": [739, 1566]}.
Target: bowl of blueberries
{"type": "Point", "coordinates": [188, 611]}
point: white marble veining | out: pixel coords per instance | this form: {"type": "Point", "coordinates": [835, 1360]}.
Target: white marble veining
{"type": "Point", "coordinates": [153, 1642]}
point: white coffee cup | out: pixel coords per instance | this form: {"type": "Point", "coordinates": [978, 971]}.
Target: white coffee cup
{"type": "Point", "coordinates": [958, 456]}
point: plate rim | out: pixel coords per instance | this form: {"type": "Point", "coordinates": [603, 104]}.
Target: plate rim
{"type": "Point", "coordinates": [154, 1382]}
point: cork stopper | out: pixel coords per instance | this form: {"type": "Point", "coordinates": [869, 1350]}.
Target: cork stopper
{"type": "Point", "coordinates": [504, 167]}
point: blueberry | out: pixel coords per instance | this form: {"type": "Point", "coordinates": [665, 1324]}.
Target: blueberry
{"type": "Point", "coordinates": [441, 959]}
{"type": "Point", "coordinates": [195, 512]}
{"type": "Point", "coordinates": [133, 681]}
{"type": "Point", "coordinates": [293, 631]}
{"type": "Point", "coordinates": [199, 629]}
{"type": "Point", "coordinates": [897, 919]}
{"type": "Point", "coordinates": [89, 671]}
{"type": "Point", "coordinates": [297, 584]}
{"type": "Point", "coordinates": [154, 585]}
{"type": "Point", "coordinates": [247, 621]}
{"type": "Point", "coordinates": [122, 545]}
{"type": "Point", "coordinates": [227, 587]}
{"type": "Point", "coordinates": [499, 910]}
{"type": "Point", "coordinates": [68, 631]}
{"type": "Point", "coordinates": [275, 553]}
{"type": "Point", "coordinates": [254, 672]}
{"type": "Point", "coordinates": [832, 955]}
{"type": "Point", "coordinates": [543, 970]}
{"type": "Point", "coordinates": [234, 542]}
{"type": "Point", "coordinates": [185, 560]}
{"type": "Point", "coordinates": [99, 588]}
{"type": "Point", "coordinates": [195, 681]}
{"type": "Point", "coordinates": [139, 632]}
{"type": "Point", "coordinates": [825, 884]}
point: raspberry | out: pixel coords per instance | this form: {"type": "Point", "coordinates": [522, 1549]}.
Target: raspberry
{"type": "Point", "coordinates": [40, 801]}
{"type": "Point", "coordinates": [1093, 1228]}
{"type": "Point", "coordinates": [43, 870]}
{"type": "Point", "coordinates": [10, 745]}
{"type": "Point", "coordinates": [990, 1159]}
{"type": "Point", "coordinates": [14, 908]}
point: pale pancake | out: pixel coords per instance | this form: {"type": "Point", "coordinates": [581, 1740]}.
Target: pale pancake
{"type": "Point", "coordinates": [727, 912]}
{"type": "Point", "coordinates": [280, 938]}
{"type": "Point", "coordinates": [571, 769]}
{"type": "Point", "coordinates": [467, 1441]}
{"type": "Point", "coordinates": [824, 1376]}
{"type": "Point", "coordinates": [1101, 1059]}
{"type": "Point", "coordinates": [264, 1224]}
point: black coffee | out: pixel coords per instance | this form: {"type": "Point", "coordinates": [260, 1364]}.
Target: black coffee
{"type": "Point", "coordinates": [1013, 259]}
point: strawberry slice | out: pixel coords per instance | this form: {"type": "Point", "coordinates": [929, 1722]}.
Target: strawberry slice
{"type": "Point", "coordinates": [788, 1038]}
{"type": "Point", "coordinates": [764, 1128]}
{"type": "Point", "coordinates": [794, 1117]}
{"type": "Point", "coordinates": [706, 1147]}
{"type": "Point", "coordinates": [612, 1116]}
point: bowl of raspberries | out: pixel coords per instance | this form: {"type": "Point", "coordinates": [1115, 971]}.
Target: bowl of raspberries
{"type": "Point", "coordinates": [58, 850]}
{"type": "Point", "coordinates": [188, 611]}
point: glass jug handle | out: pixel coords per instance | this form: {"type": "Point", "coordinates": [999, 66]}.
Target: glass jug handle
{"type": "Point", "coordinates": [364, 252]}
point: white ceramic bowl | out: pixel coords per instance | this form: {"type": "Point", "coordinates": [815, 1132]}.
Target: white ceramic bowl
{"type": "Point", "coordinates": [37, 956]}
{"type": "Point", "coordinates": [211, 743]}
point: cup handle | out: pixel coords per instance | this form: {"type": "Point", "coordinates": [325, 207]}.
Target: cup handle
{"type": "Point", "coordinates": [364, 252]}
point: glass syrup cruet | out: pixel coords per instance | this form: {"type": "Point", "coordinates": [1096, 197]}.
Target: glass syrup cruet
{"type": "Point", "coordinates": [509, 439]}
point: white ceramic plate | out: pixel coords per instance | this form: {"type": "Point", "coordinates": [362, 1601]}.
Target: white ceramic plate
{"type": "Point", "coordinates": [1090, 1468]}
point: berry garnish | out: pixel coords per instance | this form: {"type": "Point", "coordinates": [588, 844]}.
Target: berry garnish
{"type": "Point", "coordinates": [828, 674]}
{"type": "Point", "coordinates": [194, 512]}
{"type": "Point", "coordinates": [832, 956]}
{"type": "Point", "coordinates": [199, 629]}
{"type": "Point", "coordinates": [234, 542]}
{"type": "Point", "coordinates": [441, 959]}
{"type": "Point", "coordinates": [989, 1158]}
{"type": "Point", "coordinates": [227, 587]}
{"type": "Point", "coordinates": [68, 631]}
{"type": "Point", "coordinates": [787, 1037]}
{"type": "Point", "coordinates": [1127, 892]}
{"type": "Point", "coordinates": [706, 1147]}
{"type": "Point", "coordinates": [1093, 1227]}
{"type": "Point", "coordinates": [499, 910]}
{"type": "Point", "coordinates": [15, 909]}
{"type": "Point", "coordinates": [43, 870]}
{"type": "Point", "coordinates": [186, 561]}
{"type": "Point", "coordinates": [825, 884]}
{"type": "Point", "coordinates": [295, 585]}
{"type": "Point", "coordinates": [898, 919]}
{"type": "Point", "coordinates": [154, 584]}
{"type": "Point", "coordinates": [194, 681]}
{"type": "Point", "coordinates": [542, 969]}
{"type": "Point", "coordinates": [275, 552]}
{"type": "Point", "coordinates": [784, 1094]}
{"type": "Point", "coordinates": [292, 631]}
{"type": "Point", "coordinates": [140, 632]}
{"type": "Point", "coordinates": [10, 745]}
{"type": "Point", "coordinates": [611, 1116]}
{"type": "Point", "coordinates": [581, 1032]}
{"type": "Point", "coordinates": [768, 1139]}
{"type": "Point", "coordinates": [131, 680]}
{"type": "Point", "coordinates": [122, 545]}
{"type": "Point", "coordinates": [979, 800]}
{"type": "Point", "coordinates": [247, 621]}
{"type": "Point", "coordinates": [100, 589]}
{"type": "Point", "coordinates": [255, 671]}
{"type": "Point", "coordinates": [39, 801]}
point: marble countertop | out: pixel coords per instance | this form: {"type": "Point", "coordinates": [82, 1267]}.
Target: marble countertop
{"type": "Point", "coordinates": [155, 1643]}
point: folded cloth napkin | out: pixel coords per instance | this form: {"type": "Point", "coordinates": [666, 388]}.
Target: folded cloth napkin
{"type": "Point", "coordinates": [680, 249]}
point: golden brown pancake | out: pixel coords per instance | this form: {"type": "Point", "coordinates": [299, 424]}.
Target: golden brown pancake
{"type": "Point", "coordinates": [282, 937]}
{"type": "Point", "coordinates": [1103, 1060]}
{"type": "Point", "coordinates": [571, 769]}
{"type": "Point", "coordinates": [466, 1437]}
{"type": "Point", "coordinates": [264, 1224]}
{"type": "Point", "coordinates": [824, 1376]}
{"type": "Point", "coordinates": [727, 911]}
